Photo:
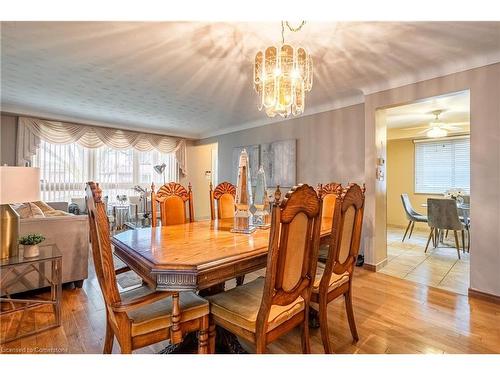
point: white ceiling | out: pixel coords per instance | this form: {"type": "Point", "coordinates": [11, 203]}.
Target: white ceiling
{"type": "Point", "coordinates": [194, 79]}
{"type": "Point", "coordinates": [455, 107]}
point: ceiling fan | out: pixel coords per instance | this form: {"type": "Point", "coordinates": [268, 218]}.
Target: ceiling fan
{"type": "Point", "coordinates": [437, 128]}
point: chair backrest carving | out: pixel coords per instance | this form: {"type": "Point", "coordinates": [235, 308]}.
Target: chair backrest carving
{"type": "Point", "coordinates": [293, 249]}
{"type": "Point", "coordinates": [171, 199]}
{"type": "Point", "coordinates": [224, 194]}
{"type": "Point", "coordinates": [329, 193]}
{"type": "Point", "coordinates": [345, 236]}
{"type": "Point", "coordinates": [101, 244]}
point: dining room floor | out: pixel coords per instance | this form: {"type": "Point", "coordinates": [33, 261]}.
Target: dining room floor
{"type": "Point", "coordinates": [439, 267]}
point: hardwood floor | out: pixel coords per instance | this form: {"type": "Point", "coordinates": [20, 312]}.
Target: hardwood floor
{"type": "Point", "coordinates": [392, 316]}
{"type": "Point", "coordinates": [439, 267]}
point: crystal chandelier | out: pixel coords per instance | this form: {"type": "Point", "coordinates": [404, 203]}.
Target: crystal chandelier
{"type": "Point", "coordinates": [282, 76]}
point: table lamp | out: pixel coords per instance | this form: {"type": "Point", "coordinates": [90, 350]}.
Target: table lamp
{"type": "Point", "coordinates": [17, 185]}
{"type": "Point", "coordinates": [160, 169]}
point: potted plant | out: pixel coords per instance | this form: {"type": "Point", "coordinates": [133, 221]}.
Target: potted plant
{"type": "Point", "coordinates": [30, 243]}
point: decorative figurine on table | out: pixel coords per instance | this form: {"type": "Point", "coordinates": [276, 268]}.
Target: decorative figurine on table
{"type": "Point", "coordinates": [262, 218]}
{"type": "Point", "coordinates": [243, 218]}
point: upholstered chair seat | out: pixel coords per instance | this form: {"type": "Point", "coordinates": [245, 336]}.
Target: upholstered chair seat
{"type": "Point", "coordinates": [335, 279]}
{"type": "Point", "coordinates": [158, 315]}
{"type": "Point", "coordinates": [241, 306]}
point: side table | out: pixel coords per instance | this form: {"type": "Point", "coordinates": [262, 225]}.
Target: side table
{"type": "Point", "coordinates": [18, 268]}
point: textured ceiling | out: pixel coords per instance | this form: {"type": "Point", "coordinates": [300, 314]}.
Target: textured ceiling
{"type": "Point", "coordinates": [455, 107]}
{"type": "Point", "coordinates": [194, 79]}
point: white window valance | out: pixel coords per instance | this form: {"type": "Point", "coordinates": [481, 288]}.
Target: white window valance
{"type": "Point", "coordinates": [31, 130]}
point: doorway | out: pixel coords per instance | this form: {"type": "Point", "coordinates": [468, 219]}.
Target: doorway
{"type": "Point", "coordinates": [428, 157]}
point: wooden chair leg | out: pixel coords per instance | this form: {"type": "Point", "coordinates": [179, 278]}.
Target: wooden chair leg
{"type": "Point", "coordinates": [240, 280]}
{"type": "Point", "coordinates": [126, 346]}
{"type": "Point", "coordinates": [203, 336]}
{"type": "Point", "coordinates": [306, 345]}
{"type": "Point", "coordinates": [429, 239]}
{"type": "Point", "coordinates": [463, 240]}
{"type": "Point", "coordinates": [350, 314]}
{"type": "Point", "coordinates": [406, 231]}
{"type": "Point", "coordinates": [260, 344]}
{"type": "Point", "coordinates": [446, 234]}
{"type": "Point", "coordinates": [108, 340]}
{"type": "Point", "coordinates": [411, 229]}
{"type": "Point", "coordinates": [323, 325]}
{"type": "Point", "coordinates": [468, 240]}
{"type": "Point", "coordinates": [211, 337]}
{"type": "Point", "coordinates": [456, 243]}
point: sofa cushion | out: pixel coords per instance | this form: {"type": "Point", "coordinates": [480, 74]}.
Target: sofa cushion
{"type": "Point", "coordinates": [43, 206]}
{"type": "Point", "coordinates": [56, 213]}
{"type": "Point", "coordinates": [28, 210]}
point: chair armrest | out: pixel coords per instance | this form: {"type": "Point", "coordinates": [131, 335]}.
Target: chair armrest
{"type": "Point", "coordinates": [139, 302]}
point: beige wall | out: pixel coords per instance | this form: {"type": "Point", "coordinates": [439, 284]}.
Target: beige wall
{"type": "Point", "coordinates": [8, 133]}
{"type": "Point", "coordinates": [401, 179]}
{"type": "Point", "coordinates": [199, 160]}
{"type": "Point", "coordinates": [484, 86]}
{"type": "Point", "coordinates": [330, 145]}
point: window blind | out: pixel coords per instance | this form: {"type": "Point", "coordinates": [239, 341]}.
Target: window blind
{"type": "Point", "coordinates": [65, 168]}
{"type": "Point", "coordinates": [442, 164]}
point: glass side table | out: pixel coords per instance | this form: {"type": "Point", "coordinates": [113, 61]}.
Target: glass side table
{"type": "Point", "coordinates": [18, 268]}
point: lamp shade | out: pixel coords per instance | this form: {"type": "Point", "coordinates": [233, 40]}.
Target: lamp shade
{"type": "Point", "coordinates": [19, 184]}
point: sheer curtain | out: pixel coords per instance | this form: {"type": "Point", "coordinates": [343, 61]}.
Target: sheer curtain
{"type": "Point", "coordinates": [65, 168]}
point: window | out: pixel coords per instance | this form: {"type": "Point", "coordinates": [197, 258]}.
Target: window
{"type": "Point", "coordinates": [442, 164]}
{"type": "Point", "coordinates": [66, 168]}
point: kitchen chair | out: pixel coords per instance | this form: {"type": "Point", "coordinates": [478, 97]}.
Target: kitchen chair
{"type": "Point", "coordinates": [443, 215]}
{"type": "Point", "coordinates": [139, 317]}
{"type": "Point", "coordinates": [328, 193]}
{"type": "Point", "coordinates": [265, 309]}
{"type": "Point", "coordinates": [334, 279]}
{"type": "Point", "coordinates": [171, 199]}
{"type": "Point", "coordinates": [223, 196]}
{"type": "Point", "coordinates": [411, 215]}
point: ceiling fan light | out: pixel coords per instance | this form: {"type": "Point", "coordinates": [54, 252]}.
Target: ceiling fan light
{"type": "Point", "coordinates": [436, 132]}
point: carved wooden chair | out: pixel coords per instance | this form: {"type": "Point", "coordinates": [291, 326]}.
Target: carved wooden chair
{"type": "Point", "coordinates": [264, 309]}
{"type": "Point", "coordinates": [139, 317]}
{"type": "Point", "coordinates": [171, 199]}
{"type": "Point", "coordinates": [334, 279]}
{"type": "Point", "coordinates": [223, 196]}
{"type": "Point", "coordinates": [328, 193]}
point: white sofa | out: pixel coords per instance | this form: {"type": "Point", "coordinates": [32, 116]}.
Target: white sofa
{"type": "Point", "coordinates": [71, 235]}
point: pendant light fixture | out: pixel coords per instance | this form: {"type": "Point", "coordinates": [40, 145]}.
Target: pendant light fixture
{"type": "Point", "coordinates": [282, 76]}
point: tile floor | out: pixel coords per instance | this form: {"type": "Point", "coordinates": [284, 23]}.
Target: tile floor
{"type": "Point", "coordinates": [438, 267]}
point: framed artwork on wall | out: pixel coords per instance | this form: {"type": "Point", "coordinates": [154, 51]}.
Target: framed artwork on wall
{"type": "Point", "coordinates": [279, 160]}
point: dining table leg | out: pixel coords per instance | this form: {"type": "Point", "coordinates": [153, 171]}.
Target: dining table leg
{"type": "Point", "coordinates": [225, 341]}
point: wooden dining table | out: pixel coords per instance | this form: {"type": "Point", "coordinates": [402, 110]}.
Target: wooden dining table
{"type": "Point", "coordinates": [196, 256]}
